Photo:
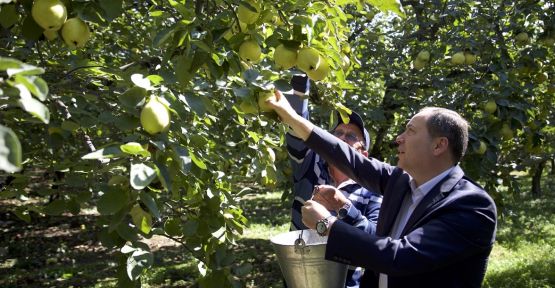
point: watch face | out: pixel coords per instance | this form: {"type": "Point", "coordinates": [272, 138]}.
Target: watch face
{"type": "Point", "coordinates": [321, 227]}
{"type": "Point", "coordinates": [342, 213]}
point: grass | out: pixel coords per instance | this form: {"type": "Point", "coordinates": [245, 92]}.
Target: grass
{"type": "Point", "coordinates": [45, 254]}
{"type": "Point", "coordinates": [524, 255]}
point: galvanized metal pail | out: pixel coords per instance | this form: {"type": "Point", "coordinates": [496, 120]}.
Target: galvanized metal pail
{"type": "Point", "coordinates": [302, 262]}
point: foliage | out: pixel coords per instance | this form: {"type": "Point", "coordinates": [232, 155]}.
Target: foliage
{"type": "Point", "coordinates": [82, 141]}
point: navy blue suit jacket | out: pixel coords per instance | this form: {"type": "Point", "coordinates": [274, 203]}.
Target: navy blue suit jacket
{"type": "Point", "coordinates": [446, 241]}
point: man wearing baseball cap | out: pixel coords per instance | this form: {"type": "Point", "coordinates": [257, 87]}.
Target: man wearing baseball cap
{"type": "Point", "coordinates": [352, 203]}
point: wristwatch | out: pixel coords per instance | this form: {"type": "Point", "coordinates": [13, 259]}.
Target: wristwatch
{"type": "Point", "coordinates": [343, 211]}
{"type": "Point", "coordinates": [322, 226]}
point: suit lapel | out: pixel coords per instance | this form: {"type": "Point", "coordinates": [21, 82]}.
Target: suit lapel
{"type": "Point", "coordinates": [392, 200]}
{"type": "Point", "coordinates": [439, 192]}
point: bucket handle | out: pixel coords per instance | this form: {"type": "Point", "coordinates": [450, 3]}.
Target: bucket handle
{"type": "Point", "coordinates": [300, 245]}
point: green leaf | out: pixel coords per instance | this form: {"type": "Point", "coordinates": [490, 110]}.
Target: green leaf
{"type": "Point", "coordinates": [91, 11]}
{"type": "Point", "coordinates": [137, 262]}
{"type": "Point", "coordinates": [141, 175]}
{"type": "Point", "coordinates": [242, 92]}
{"type": "Point", "coordinates": [190, 228]}
{"type": "Point", "coordinates": [70, 126]}
{"type": "Point", "coordinates": [141, 81]}
{"type": "Point", "coordinates": [36, 85]}
{"type": "Point", "coordinates": [188, 14]}
{"type": "Point", "coordinates": [182, 158]}
{"type": "Point", "coordinates": [183, 69]}
{"type": "Point", "coordinates": [388, 5]}
{"type": "Point", "coordinates": [134, 148]}
{"type": "Point", "coordinates": [104, 153]}
{"type": "Point", "coordinates": [8, 15]}
{"type": "Point", "coordinates": [110, 239]}
{"type": "Point", "coordinates": [164, 175]}
{"type": "Point", "coordinates": [172, 227]}
{"type": "Point", "coordinates": [112, 8]}
{"type": "Point", "coordinates": [150, 204]}
{"type": "Point", "coordinates": [24, 69]}
{"type": "Point", "coordinates": [32, 105]}
{"type": "Point", "coordinates": [141, 219]}
{"type": "Point", "coordinates": [197, 161]}
{"type": "Point", "coordinates": [155, 79]}
{"type": "Point", "coordinates": [282, 85]}
{"type": "Point", "coordinates": [30, 29]}
{"type": "Point", "coordinates": [162, 37]}
{"type": "Point", "coordinates": [10, 150]}
{"type": "Point", "coordinates": [215, 278]}
{"type": "Point", "coordinates": [23, 214]}
{"type": "Point", "coordinates": [127, 122]}
{"type": "Point", "coordinates": [126, 232]}
{"type": "Point", "coordinates": [133, 97]}
{"type": "Point", "coordinates": [9, 63]}
{"type": "Point", "coordinates": [250, 75]}
{"type": "Point", "coordinates": [112, 201]}
{"type": "Point", "coordinates": [56, 207]}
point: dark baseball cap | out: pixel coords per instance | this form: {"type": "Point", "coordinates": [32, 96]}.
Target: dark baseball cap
{"type": "Point", "coordinates": [357, 120]}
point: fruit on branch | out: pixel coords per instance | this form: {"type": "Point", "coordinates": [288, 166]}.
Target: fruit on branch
{"type": "Point", "coordinates": [482, 148]}
{"type": "Point", "coordinates": [75, 33]}
{"type": "Point", "coordinates": [155, 116]}
{"type": "Point", "coordinates": [490, 106]}
{"type": "Point", "coordinates": [50, 34]}
{"type": "Point", "coordinates": [321, 72]}
{"type": "Point", "coordinates": [285, 57]}
{"type": "Point", "coordinates": [469, 58]}
{"type": "Point", "coordinates": [263, 96]}
{"type": "Point", "coordinates": [458, 58]}
{"type": "Point", "coordinates": [246, 14]}
{"type": "Point", "coordinates": [522, 38]}
{"type": "Point", "coordinates": [250, 51]}
{"type": "Point", "coordinates": [423, 56]}
{"type": "Point", "coordinates": [308, 59]}
{"type": "Point", "coordinates": [49, 14]}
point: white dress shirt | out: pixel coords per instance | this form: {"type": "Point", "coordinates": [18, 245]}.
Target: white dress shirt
{"type": "Point", "coordinates": [410, 202]}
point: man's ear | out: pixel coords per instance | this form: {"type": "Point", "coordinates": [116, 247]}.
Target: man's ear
{"type": "Point", "coordinates": [441, 145]}
{"type": "Point", "coordinates": [365, 153]}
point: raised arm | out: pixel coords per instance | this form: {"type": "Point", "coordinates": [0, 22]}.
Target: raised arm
{"type": "Point", "coordinates": [300, 126]}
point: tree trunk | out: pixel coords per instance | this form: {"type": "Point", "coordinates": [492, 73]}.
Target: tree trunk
{"type": "Point", "coordinates": [536, 179]}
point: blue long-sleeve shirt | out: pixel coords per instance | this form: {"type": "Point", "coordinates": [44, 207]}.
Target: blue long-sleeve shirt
{"type": "Point", "coordinates": [309, 169]}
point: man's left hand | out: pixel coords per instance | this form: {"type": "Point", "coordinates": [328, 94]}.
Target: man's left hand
{"type": "Point", "coordinates": [329, 196]}
{"type": "Point", "coordinates": [313, 212]}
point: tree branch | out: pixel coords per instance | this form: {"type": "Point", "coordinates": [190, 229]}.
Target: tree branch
{"type": "Point", "coordinates": [84, 67]}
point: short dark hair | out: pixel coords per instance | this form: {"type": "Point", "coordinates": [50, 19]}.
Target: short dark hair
{"type": "Point", "coordinates": [447, 123]}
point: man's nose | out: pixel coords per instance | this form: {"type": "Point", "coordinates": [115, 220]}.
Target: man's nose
{"type": "Point", "coordinates": [398, 140]}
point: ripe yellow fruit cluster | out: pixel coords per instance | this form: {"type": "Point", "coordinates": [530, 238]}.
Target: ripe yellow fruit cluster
{"type": "Point", "coordinates": [459, 58]}
{"type": "Point", "coordinates": [466, 57]}
{"type": "Point", "coordinates": [307, 59]}
{"type": "Point", "coordinates": [51, 15]}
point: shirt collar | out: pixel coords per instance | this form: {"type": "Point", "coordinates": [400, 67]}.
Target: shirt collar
{"type": "Point", "coordinates": [423, 189]}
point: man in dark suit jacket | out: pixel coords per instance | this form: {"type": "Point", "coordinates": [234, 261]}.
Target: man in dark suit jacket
{"type": "Point", "coordinates": [436, 227]}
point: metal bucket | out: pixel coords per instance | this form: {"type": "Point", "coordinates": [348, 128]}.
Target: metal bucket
{"type": "Point", "coordinates": [302, 263]}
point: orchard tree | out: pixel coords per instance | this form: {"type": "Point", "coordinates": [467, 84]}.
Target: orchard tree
{"type": "Point", "coordinates": [492, 62]}
{"type": "Point", "coordinates": [152, 112]}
